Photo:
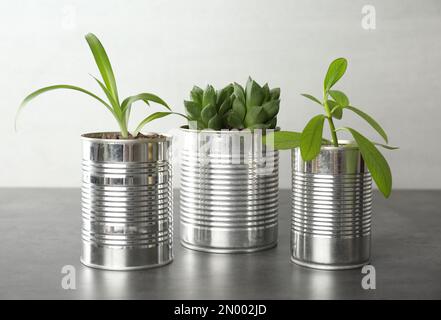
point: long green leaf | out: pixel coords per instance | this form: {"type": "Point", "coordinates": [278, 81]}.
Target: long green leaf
{"type": "Point", "coordinates": [310, 97]}
{"type": "Point", "coordinates": [283, 140]}
{"type": "Point", "coordinates": [374, 124]}
{"type": "Point", "coordinates": [113, 103]}
{"type": "Point", "coordinates": [376, 163]}
{"type": "Point", "coordinates": [61, 86]}
{"type": "Point", "coordinates": [311, 139]}
{"type": "Point", "coordinates": [152, 117]}
{"type": "Point", "coordinates": [336, 70]}
{"type": "Point", "coordinates": [103, 63]}
{"type": "Point", "coordinates": [146, 97]}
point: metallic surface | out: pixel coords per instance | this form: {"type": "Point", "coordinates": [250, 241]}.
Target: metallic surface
{"type": "Point", "coordinates": [126, 203]}
{"type": "Point", "coordinates": [229, 192]}
{"type": "Point", "coordinates": [331, 209]}
{"type": "Point", "coordinates": [39, 228]}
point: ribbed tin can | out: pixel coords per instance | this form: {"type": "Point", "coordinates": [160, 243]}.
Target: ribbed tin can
{"type": "Point", "coordinates": [331, 209]}
{"type": "Point", "coordinates": [229, 191]}
{"type": "Point", "coordinates": [126, 202]}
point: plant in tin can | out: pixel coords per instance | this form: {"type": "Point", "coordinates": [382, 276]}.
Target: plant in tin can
{"type": "Point", "coordinates": [233, 107]}
{"type": "Point", "coordinates": [334, 103]}
{"type": "Point", "coordinates": [119, 109]}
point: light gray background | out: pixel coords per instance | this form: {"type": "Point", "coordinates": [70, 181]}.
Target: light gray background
{"type": "Point", "coordinates": [167, 46]}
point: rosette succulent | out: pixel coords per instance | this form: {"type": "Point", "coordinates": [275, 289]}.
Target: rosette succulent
{"type": "Point", "coordinates": [233, 107]}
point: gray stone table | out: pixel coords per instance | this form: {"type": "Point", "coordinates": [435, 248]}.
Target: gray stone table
{"type": "Point", "coordinates": [40, 233]}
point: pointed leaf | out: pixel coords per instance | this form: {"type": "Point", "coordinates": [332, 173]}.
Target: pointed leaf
{"type": "Point", "coordinates": [193, 109]}
{"type": "Point", "coordinates": [239, 93]}
{"type": "Point", "coordinates": [61, 86]}
{"type": "Point", "coordinates": [310, 97]}
{"type": "Point", "coordinates": [215, 123]}
{"type": "Point", "coordinates": [196, 95]}
{"type": "Point", "coordinates": [209, 97]}
{"type": "Point", "coordinates": [311, 140]}
{"type": "Point", "coordinates": [255, 115]}
{"type": "Point", "coordinates": [234, 121]}
{"type": "Point", "coordinates": [336, 70]}
{"type": "Point", "coordinates": [207, 113]}
{"type": "Point", "coordinates": [146, 97]}
{"type": "Point", "coordinates": [376, 163]}
{"type": "Point", "coordinates": [271, 108]}
{"type": "Point", "coordinates": [275, 93]}
{"type": "Point", "coordinates": [253, 94]}
{"type": "Point", "coordinates": [103, 63]}
{"type": "Point", "coordinates": [152, 117]}
{"type": "Point", "coordinates": [374, 124]}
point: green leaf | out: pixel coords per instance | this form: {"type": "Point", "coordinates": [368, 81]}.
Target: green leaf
{"type": "Point", "coordinates": [385, 146]}
{"type": "Point", "coordinates": [103, 63]}
{"type": "Point", "coordinates": [376, 163]}
{"type": "Point", "coordinates": [224, 94]}
{"type": "Point", "coordinates": [193, 109]}
{"type": "Point", "coordinates": [61, 86]}
{"type": "Point", "coordinates": [271, 108]}
{"type": "Point", "coordinates": [209, 97]}
{"type": "Point", "coordinates": [239, 109]}
{"type": "Point", "coordinates": [283, 140]}
{"type": "Point", "coordinates": [255, 115]}
{"type": "Point", "coordinates": [275, 93]}
{"type": "Point", "coordinates": [196, 95]}
{"type": "Point", "coordinates": [311, 139]}
{"type": "Point", "coordinates": [113, 103]}
{"type": "Point", "coordinates": [336, 70]}
{"type": "Point", "coordinates": [253, 94]}
{"type": "Point", "coordinates": [234, 120]}
{"type": "Point", "coordinates": [336, 110]}
{"type": "Point", "coordinates": [374, 124]}
{"type": "Point", "coordinates": [152, 117]}
{"type": "Point", "coordinates": [266, 93]}
{"type": "Point", "coordinates": [146, 97]}
{"type": "Point", "coordinates": [339, 97]}
{"type": "Point", "coordinates": [272, 123]}
{"type": "Point", "coordinates": [239, 92]}
{"type": "Point", "coordinates": [215, 123]}
{"type": "Point", "coordinates": [225, 106]}
{"type": "Point", "coordinates": [208, 112]}
{"type": "Point", "coordinates": [310, 97]}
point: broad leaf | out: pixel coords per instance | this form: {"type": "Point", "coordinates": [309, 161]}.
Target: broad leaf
{"type": "Point", "coordinates": [215, 123]}
{"type": "Point", "coordinates": [336, 110]}
{"type": "Point", "coordinates": [271, 108]}
{"type": "Point", "coordinates": [234, 120]}
{"type": "Point", "coordinates": [283, 140]}
{"type": "Point", "coordinates": [310, 97]}
{"type": "Point", "coordinates": [193, 109]}
{"type": "Point", "coordinates": [239, 108]}
{"type": "Point", "coordinates": [275, 93]}
{"type": "Point", "coordinates": [255, 115]}
{"type": "Point", "coordinates": [376, 163]}
{"type": "Point", "coordinates": [253, 94]}
{"type": "Point", "coordinates": [103, 63]}
{"type": "Point", "coordinates": [311, 139]}
{"type": "Point", "coordinates": [196, 95]}
{"type": "Point", "coordinates": [239, 92]}
{"type": "Point", "coordinates": [336, 70]}
{"type": "Point", "coordinates": [209, 96]}
{"type": "Point", "coordinates": [208, 112]}
{"type": "Point", "coordinates": [371, 121]}
{"type": "Point", "coordinates": [339, 97]}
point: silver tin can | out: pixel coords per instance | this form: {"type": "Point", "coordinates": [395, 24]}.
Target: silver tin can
{"type": "Point", "coordinates": [126, 202]}
{"type": "Point", "coordinates": [331, 209]}
{"type": "Point", "coordinates": [229, 191]}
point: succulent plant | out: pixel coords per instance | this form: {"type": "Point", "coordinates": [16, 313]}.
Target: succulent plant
{"type": "Point", "coordinates": [233, 107]}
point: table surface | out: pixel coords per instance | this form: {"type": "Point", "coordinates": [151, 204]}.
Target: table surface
{"type": "Point", "coordinates": [40, 233]}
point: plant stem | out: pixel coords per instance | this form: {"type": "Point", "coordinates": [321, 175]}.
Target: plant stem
{"type": "Point", "coordinates": [124, 131]}
{"type": "Point", "coordinates": [334, 138]}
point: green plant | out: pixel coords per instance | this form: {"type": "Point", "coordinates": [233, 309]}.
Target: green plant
{"type": "Point", "coordinates": [233, 107]}
{"type": "Point", "coordinates": [120, 110]}
{"type": "Point", "coordinates": [334, 102]}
